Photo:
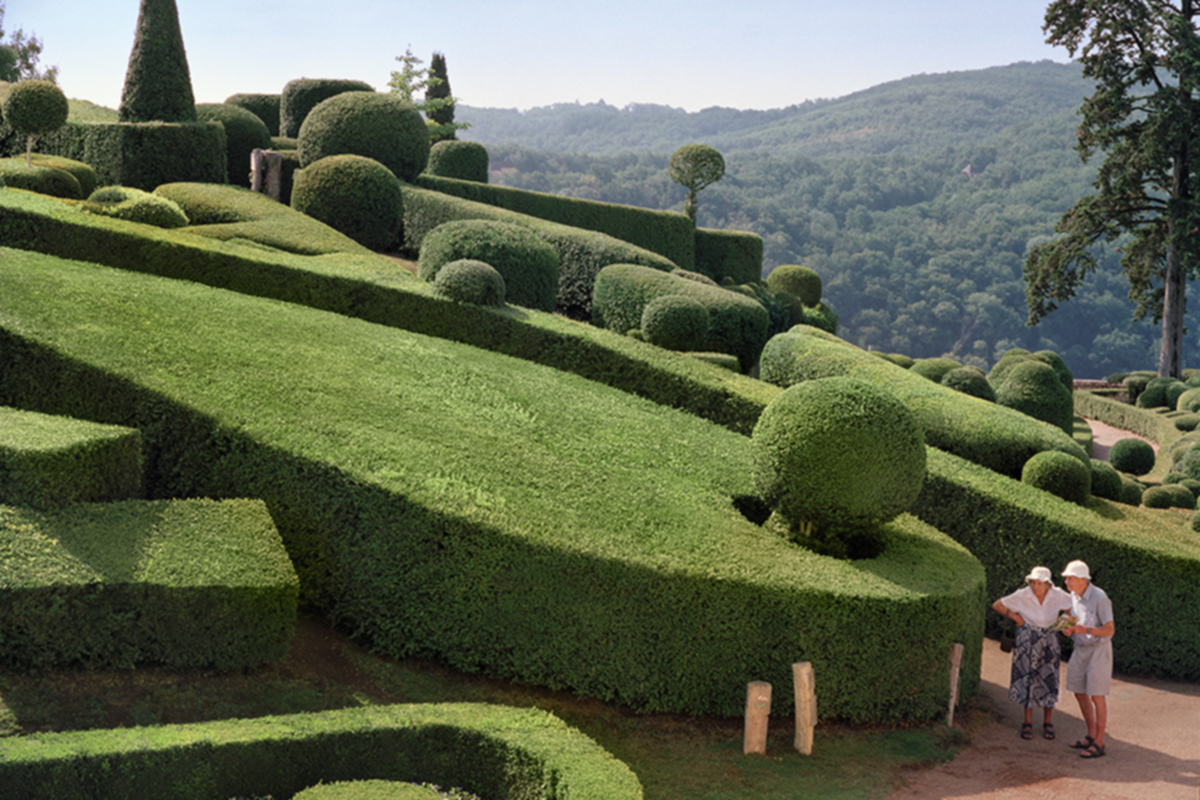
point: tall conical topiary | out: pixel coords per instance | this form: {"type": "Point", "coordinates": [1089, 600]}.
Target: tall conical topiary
{"type": "Point", "coordinates": [439, 102]}
{"type": "Point", "coordinates": [158, 85]}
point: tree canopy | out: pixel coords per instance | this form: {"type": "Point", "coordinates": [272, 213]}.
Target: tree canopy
{"type": "Point", "coordinates": [695, 167]}
{"type": "Point", "coordinates": [19, 56]}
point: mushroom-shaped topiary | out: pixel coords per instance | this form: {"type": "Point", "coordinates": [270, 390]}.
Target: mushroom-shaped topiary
{"type": "Point", "coordinates": [1060, 474]}
{"type": "Point", "coordinates": [1134, 456]}
{"type": "Point", "coordinates": [837, 455]}
{"type": "Point", "coordinates": [798, 281]}
{"type": "Point", "coordinates": [354, 195]}
{"type": "Point", "coordinates": [135, 205]}
{"type": "Point", "coordinates": [378, 126]}
{"type": "Point", "coordinates": [675, 322]}
{"type": "Point", "coordinates": [528, 263]}
{"type": "Point", "coordinates": [34, 108]}
{"type": "Point", "coordinates": [470, 281]}
{"type": "Point", "coordinates": [244, 132]}
{"type": "Point", "coordinates": [466, 161]}
{"type": "Point", "coordinates": [1034, 388]}
{"type": "Point", "coordinates": [1106, 481]}
{"type": "Point", "coordinates": [970, 380]}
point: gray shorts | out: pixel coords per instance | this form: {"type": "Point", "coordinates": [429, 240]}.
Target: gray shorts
{"type": "Point", "coordinates": [1090, 669]}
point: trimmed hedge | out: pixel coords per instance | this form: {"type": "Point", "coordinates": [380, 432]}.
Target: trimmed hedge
{"type": "Point", "coordinates": [367, 790]}
{"type": "Point", "coordinates": [1152, 425]}
{"type": "Point", "coordinates": [82, 172]}
{"type": "Point", "coordinates": [464, 161]}
{"type": "Point", "coordinates": [468, 281]}
{"type": "Point", "coordinates": [527, 262]}
{"type": "Point", "coordinates": [493, 751]}
{"type": "Point", "coordinates": [186, 583]}
{"type": "Point", "coordinates": [799, 281]}
{"type": "Point", "coordinates": [378, 126]}
{"type": "Point", "coordinates": [1060, 475]}
{"type": "Point", "coordinates": [301, 96]}
{"type": "Point", "coordinates": [50, 461]}
{"type": "Point", "coordinates": [1034, 388]}
{"type": "Point", "coordinates": [134, 205]}
{"type": "Point", "coordinates": [244, 133]}
{"type": "Point", "coordinates": [736, 255]}
{"type": "Point", "coordinates": [676, 322]}
{"type": "Point", "coordinates": [158, 83]}
{"type": "Point", "coordinates": [263, 106]}
{"type": "Point", "coordinates": [354, 195]}
{"type": "Point", "coordinates": [40, 178]}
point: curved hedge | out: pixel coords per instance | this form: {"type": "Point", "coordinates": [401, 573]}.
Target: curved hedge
{"type": "Point", "coordinates": [1034, 388]}
{"type": "Point", "coordinates": [81, 171]}
{"type": "Point", "coordinates": [39, 178]}
{"type": "Point", "coordinates": [378, 126]}
{"type": "Point", "coordinates": [134, 205]}
{"type": "Point", "coordinates": [301, 96]}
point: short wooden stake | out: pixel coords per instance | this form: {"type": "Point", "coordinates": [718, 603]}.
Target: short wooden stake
{"type": "Point", "coordinates": [266, 172]}
{"type": "Point", "coordinates": [758, 714]}
{"type": "Point", "coordinates": [806, 705]}
{"type": "Point", "coordinates": [956, 653]}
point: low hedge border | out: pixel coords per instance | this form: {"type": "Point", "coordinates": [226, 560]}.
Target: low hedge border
{"type": "Point", "coordinates": [492, 751]}
{"type": "Point", "coordinates": [1149, 423]}
{"type": "Point", "coordinates": [185, 583]}
{"type": "Point", "coordinates": [48, 461]}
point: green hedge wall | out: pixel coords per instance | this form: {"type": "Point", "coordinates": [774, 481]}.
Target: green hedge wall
{"type": "Point", "coordinates": [737, 255]}
{"type": "Point", "coordinates": [668, 233]}
{"type": "Point", "coordinates": [492, 751]}
{"type": "Point", "coordinates": [192, 583]}
{"type": "Point", "coordinates": [48, 461]}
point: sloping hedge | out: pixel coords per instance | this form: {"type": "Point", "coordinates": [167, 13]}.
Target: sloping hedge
{"type": "Point", "coordinates": [492, 751]}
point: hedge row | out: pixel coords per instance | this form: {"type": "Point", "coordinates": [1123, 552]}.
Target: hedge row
{"type": "Point", "coordinates": [736, 255]}
{"type": "Point", "coordinates": [668, 233]}
{"type": "Point", "coordinates": [188, 583]}
{"type": "Point", "coordinates": [491, 751]}
{"type": "Point", "coordinates": [442, 501]}
{"type": "Point", "coordinates": [1154, 425]}
{"type": "Point", "coordinates": [48, 461]}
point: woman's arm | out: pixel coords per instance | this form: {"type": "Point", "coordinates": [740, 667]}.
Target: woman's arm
{"type": "Point", "coordinates": [1004, 611]}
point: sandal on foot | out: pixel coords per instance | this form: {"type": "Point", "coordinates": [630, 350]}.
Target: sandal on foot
{"type": "Point", "coordinates": [1048, 731]}
{"type": "Point", "coordinates": [1084, 743]}
{"type": "Point", "coordinates": [1095, 751]}
{"type": "Point", "coordinates": [1026, 730]}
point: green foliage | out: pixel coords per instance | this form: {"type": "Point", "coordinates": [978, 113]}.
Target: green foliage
{"type": "Point", "coordinates": [695, 167]}
{"type": "Point", "coordinates": [468, 281]}
{"type": "Point", "coordinates": [40, 178]}
{"type": "Point", "coordinates": [158, 84]}
{"type": "Point", "coordinates": [528, 264]}
{"type": "Point", "coordinates": [1033, 387]}
{"type": "Point", "coordinates": [438, 104]}
{"type": "Point", "coordinates": [465, 161]}
{"type": "Point", "coordinates": [35, 108]}
{"type": "Point", "coordinates": [1187, 422]}
{"type": "Point", "coordinates": [19, 57]}
{"type": "Point", "coordinates": [301, 96]}
{"type": "Point", "coordinates": [797, 280]}
{"type": "Point", "coordinates": [366, 790]}
{"type": "Point", "coordinates": [263, 106]}
{"type": "Point", "coordinates": [1131, 491]}
{"type": "Point", "coordinates": [83, 173]}
{"type": "Point", "coordinates": [969, 380]}
{"type": "Point", "coordinates": [676, 322]}
{"type": "Point", "coordinates": [1106, 481]}
{"type": "Point", "coordinates": [1188, 401]}
{"type": "Point", "coordinates": [354, 195]}
{"type": "Point", "coordinates": [244, 132]}
{"type": "Point", "coordinates": [933, 368]}
{"type": "Point", "coordinates": [722, 254]}
{"type": "Point", "coordinates": [1180, 496]}
{"type": "Point", "coordinates": [378, 126]}
{"type": "Point", "coordinates": [1060, 474]}
{"type": "Point", "coordinates": [1132, 455]}
{"type": "Point", "coordinates": [1160, 497]}
{"type": "Point", "coordinates": [134, 205]}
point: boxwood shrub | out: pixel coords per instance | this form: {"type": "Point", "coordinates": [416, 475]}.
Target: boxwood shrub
{"type": "Point", "coordinates": [465, 161]}
{"type": "Point", "coordinates": [244, 133]}
{"type": "Point", "coordinates": [528, 264]}
{"type": "Point", "coordinates": [134, 205]}
{"type": "Point", "coordinates": [379, 126]}
{"type": "Point", "coordinates": [721, 254]}
{"type": "Point", "coordinates": [301, 96]}
{"type": "Point", "coordinates": [354, 195]}
{"type": "Point", "coordinates": [40, 178]}
{"type": "Point", "coordinates": [263, 106]}
{"type": "Point", "coordinates": [1060, 474]}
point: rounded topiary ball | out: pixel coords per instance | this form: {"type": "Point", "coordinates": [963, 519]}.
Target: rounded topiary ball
{"type": "Point", "coordinates": [35, 107]}
{"type": "Point", "coordinates": [1034, 388]}
{"type": "Point", "coordinates": [1133, 455]}
{"type": "Point", "coordinates": [934, 368]}
{"type": "Point", "coordinates": [970, 380]}
{"type": "Point", "coordinates": [1181, 496]}
{"type": "Point", "coordinates": [469, 281]}
{"type": "Point", "coordinates": [1158, 497]}
{"type": "Point", "coordinates": [1131, 491]}
{"type": "Point", "coordinates": [1187, 422]}
{"type": "Point", "coordinates": [837, 452]}
{"type": "Point", "coordinates": [1106, 481]}
{"type": "Point", "coordinates": [1060, 474]}
{"type": "Point", "coordinates": [466, 161]}
{"type": "Point", "coordinates": [675, 322]}
{"type": "Point", "coordinates": [367, 790]}
{"type": "Point", "coordinates": [378, 126]}
{"type": "Point", "coordinates": [355, 195]}
{"type": "Point", "coordinates": [528, 263]}
{"type": "Point", "coordinates": [135, 205]}
{"type": "Point", "coordinates": [1192, 485]}
{"type": "Point", "coordinates": [244, 132]}
{"type": "Point", "coordinates": [796, 280]}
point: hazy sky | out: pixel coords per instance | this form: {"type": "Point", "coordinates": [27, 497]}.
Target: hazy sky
{"type": "Point", "coordinates": [690, 54]}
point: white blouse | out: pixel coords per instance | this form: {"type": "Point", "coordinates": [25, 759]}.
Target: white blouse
{"type": "Point", "coordinates": [1024, 602]}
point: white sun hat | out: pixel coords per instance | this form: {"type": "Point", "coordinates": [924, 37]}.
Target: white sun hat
{"type": "Point", "coordinates": [1077, 569]}
{"type": "Point", "coordinates": [1039, 574]}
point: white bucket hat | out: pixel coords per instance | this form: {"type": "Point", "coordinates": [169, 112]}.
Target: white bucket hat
{"type": "Point", "coordinates": [1039, 574]}
{"type": "Point", "coordinates": [1077, 569]}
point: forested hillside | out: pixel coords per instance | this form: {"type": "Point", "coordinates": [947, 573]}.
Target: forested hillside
{"type": "Point", "coordinates": [916, 201]}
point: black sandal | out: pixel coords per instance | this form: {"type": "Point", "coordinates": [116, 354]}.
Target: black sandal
{"type": "Point", "coordinates": [1048, 730]}
{"type": "Point", "coordinates": [1026, 730]}
{"type": "Point", "coordinates": [1084, 743]}
{"type": "Point", "coordinates": [1095, 751]}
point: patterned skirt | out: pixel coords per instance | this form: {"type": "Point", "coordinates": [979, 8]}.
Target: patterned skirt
{"type": "Point", "coordinates": [1035, 667]}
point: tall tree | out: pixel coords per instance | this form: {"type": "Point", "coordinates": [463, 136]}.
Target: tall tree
{"type": "Point", "coordinates": [439, 102]}
{"type": "Point", "coordinates": [695, 166]}
{"type": "Point", "coordinates": [158, 84]}
{"type": "Point", "coordinates": [413, 78]}
{"type": "Point", "coordinates": [19, 57]}
{"type": "Point", "coordinates": [1143, 116]}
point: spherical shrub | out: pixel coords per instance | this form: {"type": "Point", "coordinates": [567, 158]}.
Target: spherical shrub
{"type": "Point", "coordinates": [970, 380]}
{"type": "Point", "coordinates": [837, 453]}
{"type": "Point", "coordinates": [367, 790]}
{"type": "Point", "coordinates": [469, 281]}
{"type": "Point", "coordinates": [466, 161]}
{"type": "Point", "coordinates": [1060, 474]}
{"type": "Point", "coordinates": [263, 106]}
{"type": "Point", "coordinates": [135, 205]}
{"type": "Point", "coordinates": [528, 263]}
{"type": "Point", "coordinates": [934, 368]}
{"type": "Point", "coordinates": [301, 96]}
{"type": "Point", "coordinates": [80, 171]}
{"type": "Point", "coordinates": [1033, 387]}
{"type": "Point", "coordinates": [38, 178]}
{"type": "Point", "coordinates": [1055, 362]}
{"type": "Point", "coordinates": [1131, 491]}
{"type": "Point", "coordinates": [378, 126]}
{"type": "Point", "coordinates": [244, 132]}
{"type": "Point", "coordinates": [1187, 422]}
{"type": "Point", "coordinates": [797, 280]}
{"type": "Point", "coordinates": [675, 322]}
{"type": "Point", "coordinates": [1162, 497]}
{"type": "Point", "coordinates": [1007, 361]}
{"type": "Point", "coordinates": [355, 195]}
{"type": "Point", "coordinates": [1132, 455]}
{"type": "Point", "coordinates": [1106, 481]}
{"type": "Point", "coordinates": [1181, 496]}
{"type": "Point", "coordinates": [1154, 395]}
{"type": "Point", "coordinates": [35, 107]}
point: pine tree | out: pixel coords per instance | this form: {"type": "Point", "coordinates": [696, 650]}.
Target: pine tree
{"type": "Point", "coordinates": [439, 103]}
{"type": "Point", "coordinates": [158, 85]}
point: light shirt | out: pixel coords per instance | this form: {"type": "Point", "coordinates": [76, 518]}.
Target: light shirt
{"type": "Point", "coordinates": [1094, 610]}
{"type": "Point", "coordinates": [1044, 614]}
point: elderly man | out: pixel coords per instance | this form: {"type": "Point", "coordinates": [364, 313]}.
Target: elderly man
{"type": "Point", "coordinates": [1089, 671]}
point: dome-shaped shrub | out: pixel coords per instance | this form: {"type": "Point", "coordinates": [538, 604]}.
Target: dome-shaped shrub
{"type": "Point", "coordinates": [1154, 394]}
{"type": "Point", "coordinates": [797, 280]}
{"type": "Point", "coordinates": [1010, 359]}
{"type": "Point", "coordinates": [1165, 497]}
{"type": "Point", "coordinates": [1132, 455]}
{"type": "Point", "coordinates": [675, 322]}
{"type": "Point", "coordinates": [970, 380]}
{"type": "Point", "coordinates": [1188, 401]}
{"type": "Point", "coordinates": [837, 454]}
{"type": "Point", "coordinates": [77, 169]}
{"type": "Point", "coordinates": [1181, 496]}
{"type": "Point", "coordinates": [367, 790]}
{"type": "Point", "coordinates": [135, 205]}
{"type": "Point", "coordinates": [1131, 490]}
{"type": "Point", "coordinates": [244, 132]}
{"type": "Point", "coordinates": [1187, 422]}
{"type": "Point", "coordinates": [34, 108]}
{"type": "Point", "coordinates": [1060, 474]}
{"type": "Point", "coordinates": [1055, 362]}
{"type": "Point", "coordinates": [934, 368]}
{"type": "Point", "coordinates": [17, 174]}
{"type": "Point", "coordinates": [1106, 481]}
{"type": "Point", "coordinates": [301, 96]}
{"type": "Point", "coordinates": [528, 263]}
{"type": "Point", "coordinates": [263, 106]}
{"type": "Point", "coordinates": [354, 195]}
{"type": "Point", "coordinates": [1033, 387]}
{"type": "Point", "coordinates": [1192, 485]}
{"type": "Point", "coordinates": [378, 126]}
{"type": "Point", "coordinates": [466, 161]}
{"type": "Point", "coordinates": [469, 281]}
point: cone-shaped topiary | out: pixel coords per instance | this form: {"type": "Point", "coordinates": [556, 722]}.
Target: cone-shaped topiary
{"type": "Point", "coordinates": [34, 108]}
{"type": "Point", "coordinates": [470, 281]}
{"type": "Point", "coordinates": [354, 195]}
{"type": "Point", "coordinates": [1060, 474]}
{"type": "Point", "coordinates": [378, 126]}
{"type": "Point", "coordinates": [1134, 456]}
{"type": "Point", "coordinates": [244, 132]}
{"type": "Point", "coordinates": [467, 161]}
{"type": "Point", "coordinates": [158, 84]}
{"type": "Point", "coordinates": [528, 263]}
{"type": "Point", "coordinates": [675, 322]}
{"type": "Point", "coordinates": [796, 280]}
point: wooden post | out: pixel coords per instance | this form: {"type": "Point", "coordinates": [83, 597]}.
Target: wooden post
{"type": "Point", "coordinates": [266, 172]}
{"type": "Point", "coordinates": [806, 705]}
{"type": "Point", "coordinates": [956, 653]}
{"type": "Point", "coordinates": [758, 714]}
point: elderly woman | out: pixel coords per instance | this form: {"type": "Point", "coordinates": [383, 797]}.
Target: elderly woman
{"type": "Point", "coordinates": [1036, 656]}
